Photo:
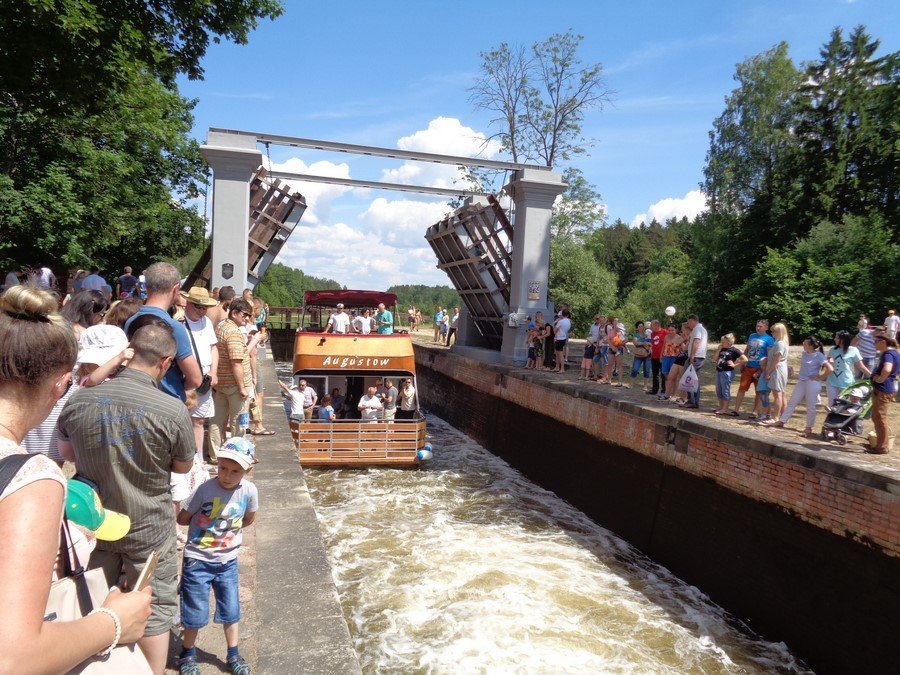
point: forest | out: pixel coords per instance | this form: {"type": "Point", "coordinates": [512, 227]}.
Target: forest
{"type": "Point", "coordinates": [98, 166]}
{"type": "Point", "coordinates": [801, 178]}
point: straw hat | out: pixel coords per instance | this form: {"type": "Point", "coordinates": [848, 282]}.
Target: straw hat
{"type": "Point", "coordinates": [199, 296]}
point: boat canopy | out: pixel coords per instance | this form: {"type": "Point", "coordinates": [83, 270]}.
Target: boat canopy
{"type": "Point", "coordinates": [330, 298]}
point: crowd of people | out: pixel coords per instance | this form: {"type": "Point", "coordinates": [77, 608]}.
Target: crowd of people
{"type": "Point", "coordinates": [384, 402]}
{"type": "Point", "coordinates": [364, 321]}
{"type": "Point", "coordinates": [672, 359]}
{"type": "Point", "coordinates": [149, 391]}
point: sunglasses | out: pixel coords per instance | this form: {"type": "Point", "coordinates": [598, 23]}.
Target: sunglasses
{"type": "Point", "coordinates": [196, 306]}
{"type": "Point", "coordinates": [245, 315]}
{"type": "Point", "coordinates": [68, 385]}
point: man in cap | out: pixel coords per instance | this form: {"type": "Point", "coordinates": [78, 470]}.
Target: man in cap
{"type": "Point", "coordinates": [235, 385]}
{"type": "Point", "coordinates": [127, 436]}
{"type": "Point", "coordinates": [339, 321]}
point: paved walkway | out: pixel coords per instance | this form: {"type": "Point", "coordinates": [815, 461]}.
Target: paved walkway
{"type": "Point", "coordinates": [853, 453]}
{"type": "Point", "coordinates": [292, 621]}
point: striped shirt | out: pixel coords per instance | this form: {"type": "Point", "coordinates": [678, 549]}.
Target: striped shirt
{"type": "Point", "coordinates": [232, 347]}
{"type": "Point", "coordinates": [43, 439]}
{"type": "Point", "coordinates": [126, 434]}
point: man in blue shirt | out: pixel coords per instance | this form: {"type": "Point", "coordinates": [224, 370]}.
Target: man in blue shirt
{"type": "Point", "coordinates": [384, 320]}
{"type": "Point", "coordinates": [94, 282]}
{"type": "Point", "coordinates": [884, 380]}
{"type": "Point", "coordinates": [163, 283]}
{"type": "Point", "coordinates": [757, 345]}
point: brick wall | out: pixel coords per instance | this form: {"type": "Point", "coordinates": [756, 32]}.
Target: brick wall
{"type": "Point", "coordinates": [863, 507]}
{"type": "Point", "coordinates": [803, 548]}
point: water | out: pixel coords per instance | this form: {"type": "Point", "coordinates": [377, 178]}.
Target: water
{"type": "Point", "coordinates": [468, 567]}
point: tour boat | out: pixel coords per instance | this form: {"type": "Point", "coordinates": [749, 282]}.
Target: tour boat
{"type": "Point", "coordinates": [353, 362]}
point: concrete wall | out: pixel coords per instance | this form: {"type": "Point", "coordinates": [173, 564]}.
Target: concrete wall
{"type": "Point", "coordinates": [805, 549]}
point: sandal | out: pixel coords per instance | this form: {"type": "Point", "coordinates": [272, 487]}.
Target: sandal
{"type": "Point", "coordinates": [264, 432]}
{"type": "Point", "coordinates": [753, 416]}
{"type": "Point", "coordinates": [238, 666]}
{"type": "Point", "coordinates": [732, 413]}
{"type": "Point", "coordinates": [188, 666]}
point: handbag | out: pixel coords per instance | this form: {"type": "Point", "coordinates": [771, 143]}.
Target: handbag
{"type": "Point", "coordinates": [689, 382]}
{"type": "Point", "coordinates": [206, 382]}
{"type": "Point", "coordinates": [76, 595]}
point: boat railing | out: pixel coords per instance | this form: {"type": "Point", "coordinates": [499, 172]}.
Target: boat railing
{"type": "Point", "coordinates": [354, 441]}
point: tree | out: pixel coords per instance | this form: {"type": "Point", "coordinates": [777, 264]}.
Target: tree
{"type": "Point", "coordinates": [578, 211]}
{"type": "Point", "coordinates": [577, 279]}
{"type": "Point", "coordinates": [96, 162]}
{"type": "Point", "coordinates": [652, 294]}
{"type": "Point", "coordinates": [822, 282]}
{"type": "Point", "coordinates": [848, 127]}
{"type": "Point", "coordinates": [540, 98]}
{"type": "Point", "coordinates": [284, 286]}
{"type": "Point", "coordinates": [425, 297]}
{"type": "Point", "coordinates": [752, 138]}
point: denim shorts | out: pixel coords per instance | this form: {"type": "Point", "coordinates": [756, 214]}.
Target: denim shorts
{"type": "Point", "coordinates": [196, 578]}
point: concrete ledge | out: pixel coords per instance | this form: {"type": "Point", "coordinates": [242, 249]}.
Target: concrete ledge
{"type": "Point", "coordinates": [301, 627]}
{"type": "Point", "coordinates": [834, 463]}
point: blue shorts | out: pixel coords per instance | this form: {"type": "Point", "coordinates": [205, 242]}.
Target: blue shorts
{"type": "Point", "coordinates": [666, 364]}
{"type": "Point", "coordinates": [196, 578]}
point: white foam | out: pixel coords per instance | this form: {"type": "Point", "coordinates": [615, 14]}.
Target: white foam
{"type": "Point", "coordinates": [466, 566]}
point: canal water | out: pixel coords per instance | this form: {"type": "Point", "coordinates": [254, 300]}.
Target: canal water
{"type": "Point", "coordinates": [468, 567]}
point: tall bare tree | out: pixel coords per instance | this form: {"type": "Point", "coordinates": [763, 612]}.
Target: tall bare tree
{"type": "Point", "coordinates": [540, 97]}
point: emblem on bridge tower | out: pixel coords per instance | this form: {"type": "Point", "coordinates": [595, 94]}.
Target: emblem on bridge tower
{"type": "Point", "coordinates": [227, 271]}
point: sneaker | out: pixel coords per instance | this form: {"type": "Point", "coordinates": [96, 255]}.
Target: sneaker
{"type": "Point", "coordinates": [189, 666]}
{"type": "Point", "coordinates": [238, 666]}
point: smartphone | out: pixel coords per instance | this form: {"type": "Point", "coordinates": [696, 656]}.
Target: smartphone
{"type": "Point", "coordinates": [147, 572]}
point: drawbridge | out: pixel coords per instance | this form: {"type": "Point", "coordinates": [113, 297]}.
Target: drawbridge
{"type": "Point", "coordinates": [499, 266]}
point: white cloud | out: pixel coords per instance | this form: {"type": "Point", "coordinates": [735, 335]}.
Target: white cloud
{"type": "Point", "coordinates": [445, 136]}
{"type": "Point", "coordinates": [402, 222]}
{"type": "Point", "coordinates": [384, 244]}
{"type": "Point", "coordinates": [319, 196]}
{"type": "Point", "coordinates": [359, 259]}
{"type": "Point", "coordinates": [691, 205]}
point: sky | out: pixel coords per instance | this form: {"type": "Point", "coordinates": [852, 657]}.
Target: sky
{"type": "Point", "coordinates": [398, 74]}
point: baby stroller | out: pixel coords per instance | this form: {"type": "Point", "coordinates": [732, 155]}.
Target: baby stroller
{"type": "Point", "coordinates": [847, 411]}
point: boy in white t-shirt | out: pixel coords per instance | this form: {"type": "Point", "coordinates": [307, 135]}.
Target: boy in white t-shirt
{"type": "Point", "coordinates": [216, 514]}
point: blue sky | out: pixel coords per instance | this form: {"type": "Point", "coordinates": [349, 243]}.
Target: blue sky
{"type": "Point", "coordinates": [396, 74]}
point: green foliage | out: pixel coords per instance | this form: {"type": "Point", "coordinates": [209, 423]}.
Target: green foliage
{"type": "Point", "coordinates": [577, 280]}
{"type": "Point", "coordinates": [579, 212]}
{"type": "Point", "coordinates": [652, 294]}
{"type": "Point", "coordinates": [425, 298]}
{"type": "Point", "coordinates": [284, 286]}
{"type": "Point", "coordinates": [848, 124]}
{"type": "Point", "coordinates": [819, 284]}
{"type": "Point", "coordinates": [794, 152]}
{"type": "Point", "coordinates": [96, 161]}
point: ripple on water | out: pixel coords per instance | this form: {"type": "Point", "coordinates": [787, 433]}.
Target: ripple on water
{"type": "Point", "coordinates": [466, 566]}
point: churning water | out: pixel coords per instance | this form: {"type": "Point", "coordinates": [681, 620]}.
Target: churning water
{"type": "Point", "coordinates": [468, 567]}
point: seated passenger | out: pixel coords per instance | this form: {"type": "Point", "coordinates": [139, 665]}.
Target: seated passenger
{"type": "Point", "coordinates": [370, 405]}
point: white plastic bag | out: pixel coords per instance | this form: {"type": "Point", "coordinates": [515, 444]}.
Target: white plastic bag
{"type": "Point", "coordinates": [689, 381]}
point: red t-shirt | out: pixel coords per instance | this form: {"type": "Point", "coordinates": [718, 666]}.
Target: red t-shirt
{"type": "Point", "coordinates": [656, 343]}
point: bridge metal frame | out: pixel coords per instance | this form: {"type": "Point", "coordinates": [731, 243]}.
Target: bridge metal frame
{"type": "Point", "coordinates": [234, 157]}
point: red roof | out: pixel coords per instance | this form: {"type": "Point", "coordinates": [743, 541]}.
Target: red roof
{"type": "Point", "coordinates": [331, 298]}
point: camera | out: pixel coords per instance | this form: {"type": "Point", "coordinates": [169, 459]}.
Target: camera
{"type": "Point", "coordinates": [204, 385]}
